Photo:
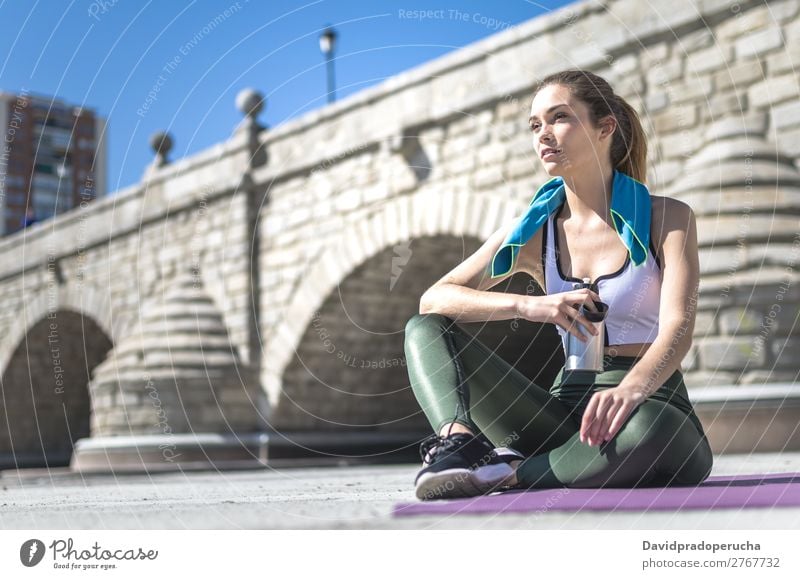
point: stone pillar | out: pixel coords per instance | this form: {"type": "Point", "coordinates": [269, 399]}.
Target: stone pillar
{"type": "Point", "coordinates": [174, 377]}
{"type": "Point", "coordinates": [745, 194]}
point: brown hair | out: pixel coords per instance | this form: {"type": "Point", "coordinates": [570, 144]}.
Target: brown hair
{"type": "Point", "coordinates": [629, 143]}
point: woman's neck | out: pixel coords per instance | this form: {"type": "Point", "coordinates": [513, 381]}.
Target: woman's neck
{"type": "Point", "coordinates": [588, 195]}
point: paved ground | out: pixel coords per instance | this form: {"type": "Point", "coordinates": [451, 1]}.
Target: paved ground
{"type": "Point", "coordinates": [355, 497]}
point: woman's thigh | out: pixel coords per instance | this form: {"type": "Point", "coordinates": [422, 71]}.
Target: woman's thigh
{"type": "Point", "coordinates": [504, 404]}
{"type": "Point", "coordinates": [657, 445]}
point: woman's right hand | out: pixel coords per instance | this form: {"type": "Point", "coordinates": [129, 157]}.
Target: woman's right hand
{"type": "Point", "coordinates": [561, 309]}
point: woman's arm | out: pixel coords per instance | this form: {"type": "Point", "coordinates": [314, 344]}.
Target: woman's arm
{"type": "Point", "coordinates": [463, 304]}
{"type": "Point", "coordinates": [462, 293]}
{"type": "Point", "coordinates": [608, 409]}
{"type": "Point", "coordinates": [678, 307]}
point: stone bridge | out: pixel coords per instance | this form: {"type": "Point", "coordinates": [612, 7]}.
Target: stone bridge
{"type": "Point", "coordinates": [248, 303]}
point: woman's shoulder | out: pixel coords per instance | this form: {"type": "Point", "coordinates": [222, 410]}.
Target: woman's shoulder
{"type": "Point", "coordinates": [667, 214]}
{"type": "Point", "coordinates": [670, 211]}
{"type": "Point", "coordinates": [530, 255]}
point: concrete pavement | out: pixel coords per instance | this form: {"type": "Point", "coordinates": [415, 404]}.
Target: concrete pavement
{"type": "Point", "coordinates": [319, 497]}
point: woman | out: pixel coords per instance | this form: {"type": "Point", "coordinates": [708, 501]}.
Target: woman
{"type": "Point", "coordinates": [631, 424]}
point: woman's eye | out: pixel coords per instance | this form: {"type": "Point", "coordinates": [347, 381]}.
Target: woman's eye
{"type": "Point", "coordinates": [535, 126]}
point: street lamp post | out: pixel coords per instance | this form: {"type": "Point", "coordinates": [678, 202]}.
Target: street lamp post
{"type": "Point", "coordinates": [327, 41]}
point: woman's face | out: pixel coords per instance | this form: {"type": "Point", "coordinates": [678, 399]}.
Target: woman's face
{"type": "Point", "coordinates": [568, 130]}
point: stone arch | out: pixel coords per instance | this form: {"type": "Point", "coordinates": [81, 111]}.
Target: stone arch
{"type": "Point", "coordinates": [86, 300]}
{"type": "Point", "coordinates": [46, 405]}
{"type": "Point", "coordinates": [440, 220]}
{"type": "Point", "coordinates": [349, 371]}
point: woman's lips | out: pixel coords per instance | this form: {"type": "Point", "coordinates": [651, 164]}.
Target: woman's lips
{"type": "Point", "coordinates": [551, 153]}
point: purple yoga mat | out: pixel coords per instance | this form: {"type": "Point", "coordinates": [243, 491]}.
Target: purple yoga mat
{"type": "Point", "coordinates": [716, 492]}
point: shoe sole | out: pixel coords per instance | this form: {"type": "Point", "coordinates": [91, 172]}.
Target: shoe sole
{"type": "Point", "coordinates": [461, 482]}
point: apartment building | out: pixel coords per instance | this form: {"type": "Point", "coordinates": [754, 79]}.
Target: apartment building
{"type": "Point", "coordinates": [52, 158]}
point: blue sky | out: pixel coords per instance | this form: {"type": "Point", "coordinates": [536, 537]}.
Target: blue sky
{"type": "Point", "coordinates": [194, 58]}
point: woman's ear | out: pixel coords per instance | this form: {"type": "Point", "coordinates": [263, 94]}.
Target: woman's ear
{"type": "Point", "coordinates": [608, 125]}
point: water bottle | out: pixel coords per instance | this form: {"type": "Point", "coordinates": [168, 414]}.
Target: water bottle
{"type": "Point", "coordinates": [587, 356]}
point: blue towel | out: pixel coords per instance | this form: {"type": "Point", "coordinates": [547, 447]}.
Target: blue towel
{"type": "Point", "coordinates": [630, 213]}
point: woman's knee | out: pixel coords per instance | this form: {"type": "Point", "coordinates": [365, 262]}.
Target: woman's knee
{"type": "Point", "coordinates": [421, 332]}
{"type": "Point", "coordinates": [694, 465]}
{"type": "Point", "coordinates": [679, 452]}
{"type": "Point", "coordinates": [419, 321]}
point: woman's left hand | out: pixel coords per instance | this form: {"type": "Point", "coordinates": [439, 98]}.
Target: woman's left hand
{"type": "Point", "coordinates": [607, 411]}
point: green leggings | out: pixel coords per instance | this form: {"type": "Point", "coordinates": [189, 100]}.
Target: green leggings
{"type": "Point", "coordinates": [456, 378]}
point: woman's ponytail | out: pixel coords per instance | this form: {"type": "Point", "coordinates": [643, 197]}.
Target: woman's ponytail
{"type": "Point", "coordinates": [629, 147]}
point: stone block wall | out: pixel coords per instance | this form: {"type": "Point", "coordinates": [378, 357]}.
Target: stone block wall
{"type": "Point", "coordinates": [341, 218]}
{"type": "Point", "coordinates": [444, 149]}
{"type": "Point", "coordinates": [77, 288]}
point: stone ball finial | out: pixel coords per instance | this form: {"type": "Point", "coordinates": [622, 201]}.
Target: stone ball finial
{"type": "Point", "coordinates": [161, 143]}
{"type": "Point", "coordinates": [250, 102]}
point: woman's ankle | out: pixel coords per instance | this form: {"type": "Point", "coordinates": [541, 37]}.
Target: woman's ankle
{"type": "Point", "coordinates": [453, 428]}
{"type": "Point", "coordinates": [513, 481]}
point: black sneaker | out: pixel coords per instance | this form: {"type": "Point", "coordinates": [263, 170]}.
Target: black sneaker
{"type": "Point", "coordinates": [461, 465]}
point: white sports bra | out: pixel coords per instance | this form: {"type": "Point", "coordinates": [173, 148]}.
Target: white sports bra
{"type": "Point", "coordinates": [633, 293]}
